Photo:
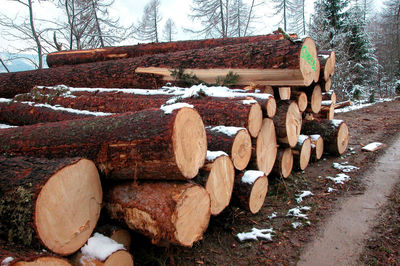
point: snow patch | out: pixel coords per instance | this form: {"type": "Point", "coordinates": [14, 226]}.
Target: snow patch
{"type": "Point", "coordinates": [296, 225]}
{"type": "Point", "coordinates": [229, 131]}
{"type": "Point", "coordinates": [372, 146]}
{"type": "Point", "coordinates": [339, 178]}
{"type": "Point", "coordinates": [5, 100]}
{"type": "Point", "coordinates": [6, 126]}
{"type": "Point", "coordinates": [100, 247]}
{"type": "Point", "coordinates": [301, 139]}
{"type": "Point", "coordinates": [330, 190]}
{"type": "Point", "coordinates": [69, 110]}
{"type": "Point", "coordinates": [336, 122]}
{"type": "Point", "coordinates": [315, 137]}
{"type": "Point", "coordinates": [249, 102]}
{"type": "Point", "coordinates": [168, 109]}
{"type": "Point", "coordinates": [344, 167]}
{"type": "Point", "coordinates": [255, 234]}
{"type": "Point", "coordinates": [303, 194]}
{"type": "Point", "coordinates": [213, 155]}
{"type": "Point", "coordinates": [250, 176]}
{"type": "Point", "coordinates": [7, 261]}
{"type": "Point", "coordinates": [273, 215]}
{"type": "Point", "coordinates": [297, 212]}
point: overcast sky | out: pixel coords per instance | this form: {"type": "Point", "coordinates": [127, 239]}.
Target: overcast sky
{"type": "Point", "coordinates": [130, 11]}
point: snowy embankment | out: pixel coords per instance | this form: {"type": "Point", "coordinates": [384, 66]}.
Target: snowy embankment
{"type": "Point", "coordinates": [361, 105]}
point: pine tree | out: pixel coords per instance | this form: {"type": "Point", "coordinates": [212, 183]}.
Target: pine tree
{"type": "Point", "coordinates": [298, 19]}
{"type": "Point", "coordinates": [283, 8]}
{"type": "Point", "coordinates": [147, 29]}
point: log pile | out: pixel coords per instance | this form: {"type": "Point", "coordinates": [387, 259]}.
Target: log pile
{"type": "Point", "coordinates": [165, 157]}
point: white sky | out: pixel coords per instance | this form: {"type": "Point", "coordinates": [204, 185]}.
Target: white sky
{"type": "Point", "coordinates": [130, 11]}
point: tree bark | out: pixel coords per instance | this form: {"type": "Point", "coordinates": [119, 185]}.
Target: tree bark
{"type": "Point", "coordinates": [234, 141]}
{"type": "Point", "coordinates": [317, 147]}
{"type": "Point", "coordinates": [145, 145]}
{"type": "Point", "coordinates": [23, 256]}
{"type": "Point", "coordinates": [250, 190]}
{"type": "Point", "coordinates": [21, 114]}
{"type": "Point", "coordinates": [217, 176]}
{"type": "Point", "coordinates": [33, 188]}
{"type": "Point", "coordinates": [302, 153]}
{"type": "Point", "coordinates": [280, 63]}
{"type": "Point", "coordinates": [284, 163]}
{"type": "Point", "coordinates": [175, 212]}
{"type": "Point", "coordinates": [111, 53]}
{"type": "Point", "coordinates": [335, 134]}
{"type": "Point", "coordinates": [287, 122]}
{"type": "Point", "coordinates": [329, 96]}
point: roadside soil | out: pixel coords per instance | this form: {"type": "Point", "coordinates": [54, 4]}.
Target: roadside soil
{"type": "Point", "coordinates": [220, 246]}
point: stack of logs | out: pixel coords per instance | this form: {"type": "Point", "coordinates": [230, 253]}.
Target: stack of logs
{"type": "Point", "coordinates": [165, 157]}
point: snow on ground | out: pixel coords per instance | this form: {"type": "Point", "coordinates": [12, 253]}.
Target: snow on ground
{"type": "Point", "coordinates": [361, 105]}
{"type": "Point", "coordinates": [330, 190]}
{"type": "Point", "coordinates": [213, 155]}
{"type": "Point", "coordinates": [339, 178]}
{"type": "Point", "coordinates": [256, 233]}
{"type": "Point", "coordinates": [297, 212]}
{"type": "Point", "coordinates": [273, 215]}
{"type": "Point", "coordinates": [303, 194]}
{"type": "Point", "coordinates": [345, 167]}
{"type": "Point", "coordinates": [100, 247]}
{"type": "Point", "coordinates": [296, 224]}
{"type": "Point", "coordinates": [372, 146]}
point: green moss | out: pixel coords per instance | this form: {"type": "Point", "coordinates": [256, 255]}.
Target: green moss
{"type": "Point", "coordinates": [16, 216]}
{"type": "Point", "coordinates": [183, 79]}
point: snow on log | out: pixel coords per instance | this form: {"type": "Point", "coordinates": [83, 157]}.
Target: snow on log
{"type": "Point", "coordinates": [29, 113]}
{"type": "Point", "coordinates": [217, 176]}
{"type": "Point", "coordinates": [110, 53]}
{"type": "Point", "coordinates": [175, 212]}
{"type": "Point", "coordinates": [288, 122]}
{"type": "Point", "coordinates": [317, 147]}
{"type": "Point", "coordinates": [278, 63]}
{"type": "Point", "coordinates": [250, 190]}
{"type": "Point", "coordinates": [235, 141]}
{"type": "Point", "coordinates": [335, 134]}
{"type": "Point", "coordinates": [55, 203]}
{"type": "Point", "coordinates": [302, 153]}
{"type": "Point", "coordinates": [116, 233]}
{"type": "Point", "coordinates": [145, 145]}
{"type": "Point", "coordinates": [329, 96]}
{"type": "Point", "coordinates": [284, 163]}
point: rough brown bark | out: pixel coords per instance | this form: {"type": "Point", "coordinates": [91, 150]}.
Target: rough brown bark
{"type": "Point", "coordinates": [280, 62]}
{"type": "Point", "coordinates": [287, 122]}
{"type": "Point", "coordinates": [215, 111]}
{"type": "Point", "coordinates": [217, 176]}
{"type": "Point", "coordinates": [317, 147]}
{"type": "Point", "coordinates": [175, 212]}
{"type": "Point", "coordinates": [237, 145]}
{"type": "Point", "coordinates": [343, 104]}
{"type": "Point", "coordinates": [30, 189]}
{"type": "Point", "coordinates": [335, 134]}
{"type": "Point", "coordinates": [250, 190]}
{"type": "Point", "coordinates": [20, 256]}
{"type": "Point", "coordinates": [111, 53]}
{"type": "Point", "coordinates": [145, 145]}
{"type": "Point", "coordinates": [20, 114]}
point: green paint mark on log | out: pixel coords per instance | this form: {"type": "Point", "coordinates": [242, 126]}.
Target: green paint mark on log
{"type": "Point", "coordinates": [308, 57]}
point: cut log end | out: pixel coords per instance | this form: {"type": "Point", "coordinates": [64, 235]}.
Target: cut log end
{"type": "Point", "coordinates": [241, 150]}
{"type": "Point", "coordinates": [328, 85]}
{"type": "Point", "coordinates": [271, 107]}
{"type": "Point", "coordinates": [302, 101]}
{"type": "Point", "coordinates": [342, 138]}
{"type": "Point", "coordinates": [220, 184]}
{"type": "Point", "coordinates": [316, 99]}
{"type": "Point", "coordinates": [258, 194]}
{"type": "Point", "coordinates": [293, 124]}
{"type": "Point", "coordinates": [308, 58]}
{"type": "Point", "coordinates": [68, 207]}
{"type": "Point", "coordinates": [266, 146]}
{"type": "Point", "coordinates": [121, 257]}
{"type": "Point", "coordinates": [255, 120]}
{"type": "Point", "coordinates": [318, 71]}
{"type": "Point", "coordinates": [305, 154]}
{"type": "Point", "coordinates": [191, 215]}
{"type": "Point", "coordinates": [189, 141]}
{"type": "Point", "coordinates": [317, 148]}
{"type": "Point", "coordinates": [286, 162]}
{"type": "Point", "coordinates": [44, 261]}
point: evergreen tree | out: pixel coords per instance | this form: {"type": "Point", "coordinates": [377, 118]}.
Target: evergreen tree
{"type": "Point", "coordinates": [147, 29]}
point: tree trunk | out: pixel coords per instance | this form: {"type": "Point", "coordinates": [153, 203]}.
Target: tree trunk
{"type": "Point", "coordinates": [327, 61]}
{"type": "Point", "coordinates": [302, 153]}
{"type": "Point", "coordinates": [150, 144]}
{"type": "Point", "coordinates": [314, 96]}
{"type": "Point", "coordinates": [175, 212]}
{"type": "Point", "coordinates": [317, 147]}
{"type": "Point", "coordinates": [329, 96]}
{"type": "Point", "coordinates": [213, 110]}
{"type": "Point", "coordinates": [120, 257]}
{"type": "Point", "coordinates": [55, 203]}
{"type": "Point", "coordinates": [22, 256]}
{"type": "Point", "coordinates": [327, 110]}
{"type": "Point", "coordinates": [325, 85]}
{"type": "Point", "coordinates": [235, 141]}
{"type": "Point", "coordinates": [335, 134]}
{"type": "Point", "coordinates": [20, 114]}
{"type": "Point", "coordinates": [288, 122]}
{"type": "Point", "coordinates": [300, 98]}
{"type": "Point", "coordinates": [280, 63]}
{"type": "Point", "coordinates": [284, 163]}
{"type": "Point", "coordinates": [343, 104]}
{"type": "Point", "coordinates": [264, 153]}
{"type": "Point", "coordinates": [217, 176]}
{"type": "Point", "coordinates": [250, 190]}
{"type": "Point", "coordinates": [112, 53]}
